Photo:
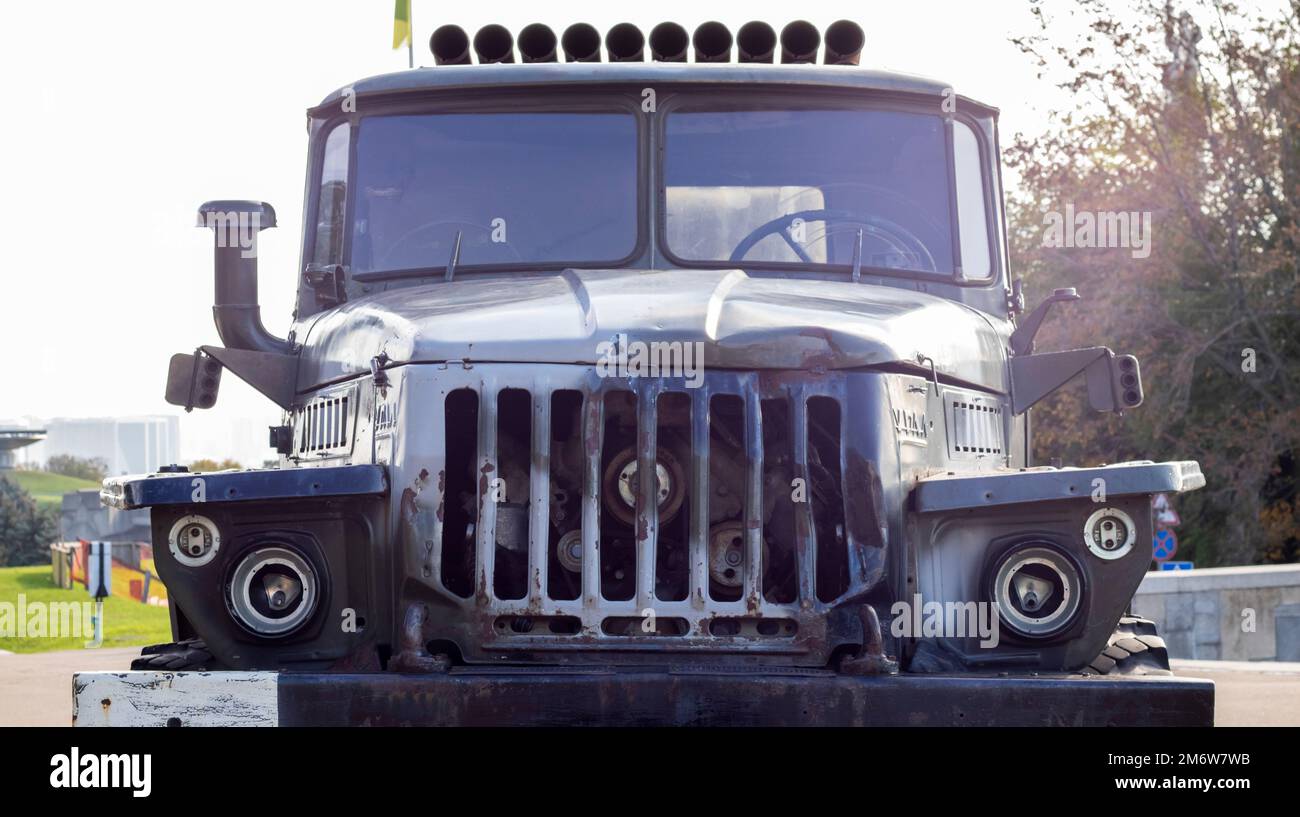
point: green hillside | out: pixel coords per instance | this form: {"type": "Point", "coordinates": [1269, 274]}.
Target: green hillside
{"type": "Point", "coordinates": [47, 488]}
{"type": "Point", "coordinates": [126, 622]}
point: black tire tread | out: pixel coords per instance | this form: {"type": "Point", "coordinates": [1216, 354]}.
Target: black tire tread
{"type": "Point", "coordinates": [183, 656]}
{"type": "Point", "coordinates": [1133, 649]}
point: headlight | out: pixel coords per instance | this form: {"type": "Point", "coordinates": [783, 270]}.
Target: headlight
{"type": "Point", "coordinates": [272, 591]}
{"type": "Point", "coordinates": [1037, 590]}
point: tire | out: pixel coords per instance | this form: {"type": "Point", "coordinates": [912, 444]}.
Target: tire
{"type": "Point", "coordinates": [1133, 649]}
{"type": "Point", "coordinates": [184, 656]}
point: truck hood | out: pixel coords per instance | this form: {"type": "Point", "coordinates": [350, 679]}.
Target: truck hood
{"type": "Point", "coordinates": [743, 322]}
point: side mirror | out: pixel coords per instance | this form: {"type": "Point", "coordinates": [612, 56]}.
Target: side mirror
{"type": "Point", "coordinates": [1115, 386]}
{"type": "Point", "coordinates": [235, 226]}
{"type": "Point", "coordinates": [1114, 381]}
{"type": "Point", "coordinates": [193, 381]}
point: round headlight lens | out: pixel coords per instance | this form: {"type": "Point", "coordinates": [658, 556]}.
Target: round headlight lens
{"type": "Point", "coordinates": [1037, 590]}
{"type": "Point", "coordinates": [272, 591]}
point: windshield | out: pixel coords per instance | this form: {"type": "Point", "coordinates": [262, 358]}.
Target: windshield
{"type": "Point", "coordinates": [517, 188]}
{"type": "Point", "coordinates": [801, 186]}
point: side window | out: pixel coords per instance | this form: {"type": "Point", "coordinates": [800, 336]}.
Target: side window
{"type": "Point", "coordinates": [976, 260]}
{"type": "Point", "coordinates": [332, 198]}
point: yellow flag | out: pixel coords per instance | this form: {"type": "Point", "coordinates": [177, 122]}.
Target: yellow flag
{"type": "Point", "coordinates": [401, 23]}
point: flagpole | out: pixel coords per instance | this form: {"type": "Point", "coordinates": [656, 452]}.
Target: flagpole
{"type": "Point", "coordinates": [410, 34]}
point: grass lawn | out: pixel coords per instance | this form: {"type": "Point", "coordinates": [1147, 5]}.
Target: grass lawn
{"type": "Point", "coordinates": [47, 488]}
{"type": "Point", "coordinates": [126, 622]}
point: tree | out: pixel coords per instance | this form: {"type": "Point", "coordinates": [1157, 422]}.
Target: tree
{"type": "Point", "coordinates": [1191, 116]}
{"type": "Point", "coordinates": [26, 530]}
{"type": "Point", "coordinates": [90, 468]}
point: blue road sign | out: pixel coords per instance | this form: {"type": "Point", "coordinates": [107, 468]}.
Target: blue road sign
{"type": "Point", "coordinates": [1164, 545]}
{"type": "Point", "coordinates": [1177, 565]}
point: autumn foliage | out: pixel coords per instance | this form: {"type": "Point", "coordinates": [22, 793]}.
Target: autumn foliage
{"type": "Point", "coordinates": [1190, 113]}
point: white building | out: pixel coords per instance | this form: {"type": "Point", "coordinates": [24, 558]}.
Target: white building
{"type": "Point", "coordinates": [127, 445]}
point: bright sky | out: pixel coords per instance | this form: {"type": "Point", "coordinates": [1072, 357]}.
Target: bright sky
{"type": "Point", "coordinates": [122, 117]}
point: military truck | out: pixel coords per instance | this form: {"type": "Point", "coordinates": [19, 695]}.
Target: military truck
{"type": "Point", "coordinates": [651, 390]}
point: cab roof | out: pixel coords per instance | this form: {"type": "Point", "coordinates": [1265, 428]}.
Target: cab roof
{"type": "Point", "coordinates": [505, 75]}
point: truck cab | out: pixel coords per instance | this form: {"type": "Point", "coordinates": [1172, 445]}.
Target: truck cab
{"type": "Point", "coordinates": [652, 367]}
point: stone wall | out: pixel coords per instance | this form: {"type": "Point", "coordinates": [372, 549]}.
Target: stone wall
{"type": "Point", "coordinates": [1209, 613]}
{"type": "Point", "coordinates": [83, 517]}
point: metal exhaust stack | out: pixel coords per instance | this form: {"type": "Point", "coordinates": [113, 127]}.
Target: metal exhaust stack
{"type": "Point", "coordinates": [450, 46]}
{"type": "Point", "coordinates": [493, 43]}
{"type": "Point", "coordinates": [844, 41]}
{"type": "Point", "coordinates": [799, 42]}
{"type": "Point", "coordinates": [712, 42]}
{"type": "Point", "coordinates": [235, 307]}
{"type": "Point", "coordinates": [625, 43]}
{"type": "Point", "coordinates": [581, 43]}
{"type": "Point", "coordinates": [755, 42]}
{"type": "Point", "coordinates": [668, 43]}
{"type": "Point", "coordinates": [537, 43]}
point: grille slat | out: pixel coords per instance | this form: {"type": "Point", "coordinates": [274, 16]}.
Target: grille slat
{"type": "Point", "coordinates": [753, 590]}
{"type": "Point", "coordinates": [539, 494]}
{"type": "Point", "coordinates": [699, 498]}
{"type": "Point", "coordinates": [647, 494]}
{"type": "Point", "coordinates": [593, 437]}
{"type": "Point", "coordinates": [486, 529]}
{"type": "Point", "coordinates": [805, 532]}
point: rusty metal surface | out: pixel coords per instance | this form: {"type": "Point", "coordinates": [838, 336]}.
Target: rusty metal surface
{"type": "Point", "coordinates": [747, 698]}
{"type": "Point", "coordinates": [472, 622]}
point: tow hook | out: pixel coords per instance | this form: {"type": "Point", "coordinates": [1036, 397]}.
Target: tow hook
{"type": "Point", "coordinates": [872, 659]}
{"type": "Point", "coordinates": [413, 655]}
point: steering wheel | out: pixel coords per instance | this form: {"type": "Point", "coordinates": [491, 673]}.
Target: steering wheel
{"type": "Point", "coordinates": [899, 238]}
{"type": "Point", "coordinates": [423, 228]}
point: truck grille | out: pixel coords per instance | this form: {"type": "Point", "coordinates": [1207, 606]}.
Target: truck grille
{"type": "Point", "coordinates": [325, 425]}
{"type": "Point", "coordinates": [975, 423]}
{"type": "Point", "coordinates": [644, 576]}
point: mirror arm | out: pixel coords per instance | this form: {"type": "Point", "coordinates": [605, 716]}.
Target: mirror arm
{"type": "Point", "coordinates": [1022, 339]}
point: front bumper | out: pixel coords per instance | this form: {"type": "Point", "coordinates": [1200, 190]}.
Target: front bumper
{"type": "Point", "coordinates": [569, 697]}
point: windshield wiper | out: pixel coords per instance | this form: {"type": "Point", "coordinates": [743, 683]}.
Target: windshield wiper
{"type": "Point", "coordinates": [455, 257]}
